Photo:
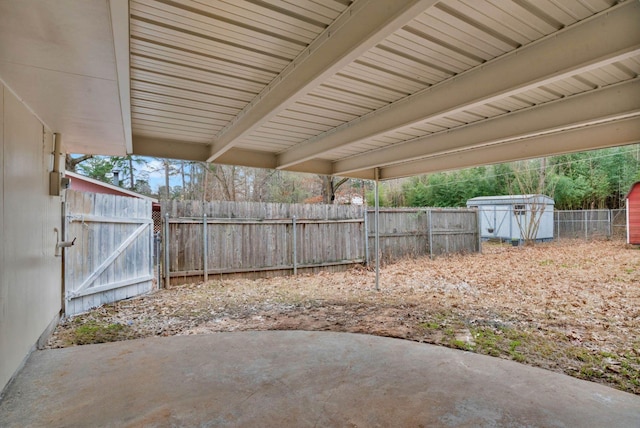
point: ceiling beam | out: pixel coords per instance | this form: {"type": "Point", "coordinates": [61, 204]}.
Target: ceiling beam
{"type": "Point", "coordinates": [314, 166]}
{"type": "Point", "coordinates": [359, 28]}
{"type": "Point", "coordinates": [578, 110]}
{"type": "Point", "coordinates": [608, 37]}
{"type": "Point", "coordinates": [175, 149]}
{"type": "Point", "coordinates": [169, 149]}
{"type": "Point", "coordinates": [259, 159]}
{"type": "Point", "coordinates": [602, 135]}
{"type": "Point", "coordinates": [120, 26]}
{"type": "Point", "coordinates": [250, 158]}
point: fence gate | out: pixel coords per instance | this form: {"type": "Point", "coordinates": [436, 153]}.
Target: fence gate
{"type": "Point", "coordinates": [112, 257]}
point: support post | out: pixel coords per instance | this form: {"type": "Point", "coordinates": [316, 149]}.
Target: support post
{"type": "Point", "coordinates": [295, 246]}
{"type": "Point", "coordinates": [167, 277]}
{"type": "Point", "coordinates": [377, 227]}
{"type": "Point", "coordinates": [205, 247]}
{"type": "Point", "coordinates": [610, 224]}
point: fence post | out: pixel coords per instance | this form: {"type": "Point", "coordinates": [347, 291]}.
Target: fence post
{"type": "Point", "coordinates": [205, 247]}
{"type": "Point", "coordinates": [610, 224]}
{"type": "Point", "coordinates": [152, 244]}
{"type": "Point", "coordinates": [167, 276]}
{"type": "Point", "coordinates": [295, 246]}
{"type": "Point", "coordinates": [479, 231]}
{"type": "Point", "coordinates": [157, 247]}
{"type": "Point", "coordinates": [366, 237]}
{"type": "Point", "coordinates": [429, 217]}
{"type": "Point", "coordinates": [586, 227]}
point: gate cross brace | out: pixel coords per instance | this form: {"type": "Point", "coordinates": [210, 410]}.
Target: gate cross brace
{"type": "Point", "coordinates": [108, 261]}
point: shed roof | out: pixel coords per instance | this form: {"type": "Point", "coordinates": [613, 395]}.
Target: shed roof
{"type": "Point", "coordinates": [110, 187]}
{"type": "Point", "coordinates": [339, 87]}
{"type": "Point", "coordinates": [510, 199]}
{"type": "Point", "coordinates": [637, 183]}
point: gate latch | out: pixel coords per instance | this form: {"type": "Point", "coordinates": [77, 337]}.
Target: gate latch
{"type": "Point", "coordinates": [62, 244]}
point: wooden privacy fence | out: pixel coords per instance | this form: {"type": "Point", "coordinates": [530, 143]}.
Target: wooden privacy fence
{"type": "Point", "coordinates": [252, 239]}
{"type": "Point", "coordinates": [414, 232]}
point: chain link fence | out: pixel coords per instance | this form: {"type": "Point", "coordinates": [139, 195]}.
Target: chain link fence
{"type": "Point", "coordinates": [590, 224]}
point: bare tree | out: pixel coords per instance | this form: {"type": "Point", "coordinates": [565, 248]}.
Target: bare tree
{"type": "Point", "coordinates": [529, 180]}
{"type": "Point", "coordinates": [330, 187]}
{"type": "Point", "coordinates": [70, 163]}
{"type": "Point", "coordinates": [132, 183]}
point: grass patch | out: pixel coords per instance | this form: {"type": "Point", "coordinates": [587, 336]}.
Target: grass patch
{"type": "Point", "coordinates": [91, 332]}
{"type": "Point", "coordinates": [487, 341]}
{"type": "Point", "coordinates": [430, 325]}
{"type": "Point", "coordinates": [460, 344]}
{"type": "Point", "coordinates": [517, 356]}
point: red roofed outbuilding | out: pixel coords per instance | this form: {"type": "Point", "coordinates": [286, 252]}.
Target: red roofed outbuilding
{"type": "Point", "coordinates": [633, 214]}
{"type": "Point", "coordinates": [86, 184]}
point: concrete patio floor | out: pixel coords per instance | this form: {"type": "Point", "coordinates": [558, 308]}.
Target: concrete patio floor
{"type": "Point", "coordinates": [299, 379]}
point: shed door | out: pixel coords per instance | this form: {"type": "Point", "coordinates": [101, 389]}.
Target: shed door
{"type": "Point", "coordinates": [111, 259]}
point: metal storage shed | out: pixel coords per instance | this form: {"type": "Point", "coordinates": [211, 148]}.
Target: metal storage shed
{"type": "Point", "coordinates": [633, 214]}
{"type": "Point", "coordinates": [506, 217]}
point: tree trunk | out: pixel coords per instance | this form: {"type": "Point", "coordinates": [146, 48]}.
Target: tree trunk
{"type": "Point", "coordinates": [182, 175]}
{"type": "Point", "coordinates": [205, 179]}
{"type": "Point", "coordinates": [329, 188]}
{"type": "Point", "coordinates": [543, 176]}
{"type": "Point", "coordinates": [166, 180]}
{"type": "Point", "coordinates": [71, 163]}
{"type": "Point", "coordinates": [132, 185]}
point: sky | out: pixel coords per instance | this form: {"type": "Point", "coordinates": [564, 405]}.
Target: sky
{"type": "Point", "coordinates": [155, 170]}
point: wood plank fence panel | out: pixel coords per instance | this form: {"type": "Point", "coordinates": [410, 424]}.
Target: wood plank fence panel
{"type": "Point", "coordinates": [259, 210]}
{"type": "Point", "coordinates": [249, 237]}
{"type": "Point", "coordinates": [111, 259]}
{"type": "Point", "coordinates": [403, 233]}
{"type": "Point", "coordinates": [406, 232]}
{"type": "Point", "coordinates": [454, 231]}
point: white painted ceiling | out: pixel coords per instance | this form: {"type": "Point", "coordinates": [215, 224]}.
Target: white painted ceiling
{"type": "Point", "coordinates": [58, 57]}
{"type": "Point", "coordinates": [329, 86]}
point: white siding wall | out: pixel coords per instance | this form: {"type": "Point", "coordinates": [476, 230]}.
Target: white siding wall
{"type": "Point", "coordinates": [30, 274]}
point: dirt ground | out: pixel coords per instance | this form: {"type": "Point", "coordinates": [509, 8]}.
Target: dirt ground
{"type": "Point", "coordinates": [568, 306]}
